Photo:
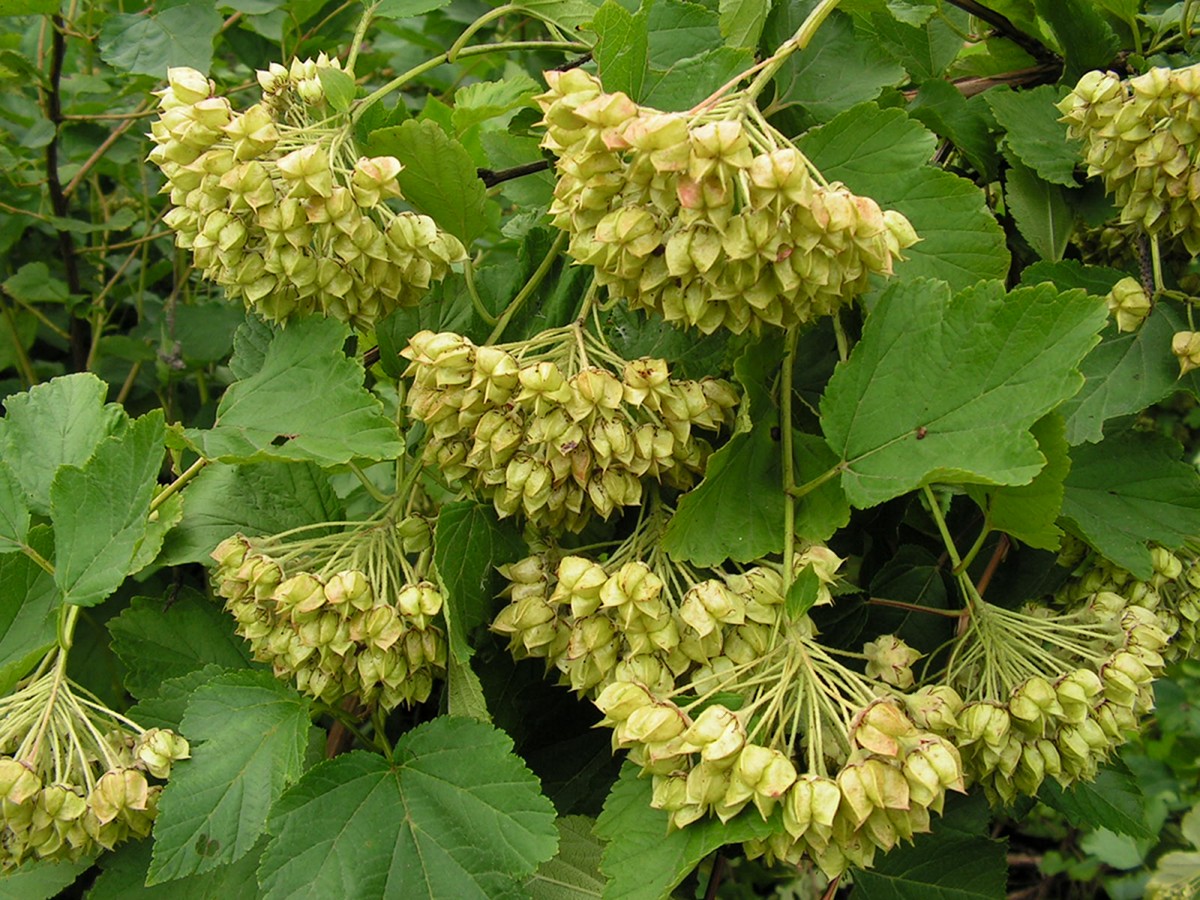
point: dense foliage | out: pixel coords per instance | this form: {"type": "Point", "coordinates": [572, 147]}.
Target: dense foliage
{"type": "Point", "coordinates": [572, 449]}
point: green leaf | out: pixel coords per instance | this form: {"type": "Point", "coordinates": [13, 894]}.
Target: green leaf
{"type": "Point", "coordinates": [1028, 511]}
{"type": "Point", "coordinates": [1129, 489]}
{"type": "Point", "coordinates": [943, 389]}
{"type": "Point", "coordinates": [1067, 274]}
{"type": "Point", "coordinates": [147, 44]}
{"type": "Point", "coordinates": [438, 178]}
{"type": "Point", "coordinates": [101, 511]}
{"type": "Point", "coordinates": [741, 491]}
{"type": "Point", "coordinates": [169, 704]}
{"type": "Point", "coordinates": [633, 334]}
{"type": "Point", "coordinates": [1125, 374]}
{"type": "Point", "coordinates": [29, 7]}
{"type": "Point", "coordinates": [58, 423]}
{"type": "Point", "coordinates": [742, 21]}
{"type": "Point", "coordinates": [924, 50]}
{"type": "Point", "coordinates": [157, 641]}
{"type": "Point", "coordinates": [822, 511]}
{"type": "Point", "coordinates": [14, 514]}
{"type": "Point", "coordinates": [942, 108]}
{"type": "Point", "coordinates": [881, 153]}
{"type": "Point", "coordinates": [40, 879]}
{"type": "Point", "coordinates": [1113, 801]}
{"type": "Point", "coordinates": [249, 734]}
{"type": "Point", "coordinates": [1034, 133]}
{"type": "Point", "coordinates": [264, 498]}
{"type": "Point", "coordinates": [29, 613]}
{"type": "Point", "coordinates": [803, 593]}
{"type": "Point", "coordinates": [455, 815]}
{"type": "Point", "coordinates": [622, 47]}
{"type": "Point", "coordinates": [685, 83]}
{"type": "Point", "coordinates": [33, 283]}
{"type": "Point", "coordinates": [407, 9]}
{"type": "Point", "coordinates": [957, 861]}
{"type": "Point", "coordinates": [123, 877]}
{"type": "Point", "coordinates": [568, 15]}
{"type": "Point", "coordinates": [468, 543]}
{"type": "Point", "coordinates": [1040, 211]}
{"type": "Point", "coordinates": [641, 859]}
{"type": "Point", "coordinates": [1087, 41]}
{"type": "Point", "coordinates": [339, 87]}
{"type": "Point", "coordinates": [574, 872]}
{"type": "Point", "coordinates": [835, 71]}
{"type": "Point", "coordinates": [307, 402]}
{"type": "Point", "coordinates": [485, 100]}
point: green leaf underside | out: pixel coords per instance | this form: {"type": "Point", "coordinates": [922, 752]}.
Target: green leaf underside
{"type": "Point", "coordinates": [157, 641]}
{"type": "Point", "coordinates": [820, 512]}
{"type": "Point", "coordinates": [1129, 489]}
{"type": "Point", "coordinates": [29, 611]}
{"type": "Point", "coordinates": [641, 860]}
{"type": "Point", "coordinates": [263, 498]}
{"type": "Point", "coordinates": [1040, 210]}
{"type": "Point", "coordinates": [622, 45]}
{"type": "Point", "coordinates": [14, 514]}
{"type": "Point", "coordinates": [742, 21]}
{"type": "Point", "coordinates": [55, 424]}
{"type": "Point", "coordinates": [1028, 511]}
{"type": "Point", "coordinates": [945, 389]}
{"type": "Point", "coordinates": [306, 402]}
{"type": "Point", "coordinates": [1113, 801]}
{"type": "Point", "coordinates": [249, 734]}
{"type": "Point", "coordinates": [574, 872]}
{"type": "Point", "coordinates": [456, 815]}
{"type": "Point", "coordinates": [736, 512]}
{"type": "Point", "coordinates": [882, 154]}
{"type": "Point", "coordinates": [407, 9]}
{"type": "Point", "coordinates": [925, 50]}
{"type": "Point", "coordinates": [438, 177]}
{"type": "Point", "coordinates": [101, 511]}
{"type": "Point", "coordinates": [1034, 133]}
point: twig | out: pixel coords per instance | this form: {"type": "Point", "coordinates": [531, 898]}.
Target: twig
{"type": "Point", "coordinates": [969, 87]}
{"type": "Point", "coordinates": [98, 153]}
{"type": "Point", "coordinates": [715, 876]}
{"type": "Point", "coordinates": [493, 177]}
{"type": "Point", "coordinates": [998, 555]}
{"type": "Point", "coordinates": [80, 339]}
{"type": "Point", "coordinates": [1006, 28]}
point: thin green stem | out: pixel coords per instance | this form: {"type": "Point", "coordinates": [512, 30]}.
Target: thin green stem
{"type": "Point", "coordinates": [839, 333]}
{"type": "Point", "coordinates": [809, 486]}
{"type": "Point", "coordinates": [360, 34]}
{"type": "Point", "coordinates": [373, 492]}
{"type": "Point", "coordinates": [192, 471]}
{"type": "Point", "coordinates": [479, 50]}
{"type": "Point", "coordinates": [473, 291]}
{"type": "Point", "coordinates": [789, 460]}
{"type": "Point", "coordinates": [526, 292]}
{"type": "Point", "coordinates": [473, 29]}
{"type": "Point", "coordinates": [1156, 262]}
{"type": "Point", "coordinates": [935, 510]}
{"type": "Point", "coordinates": [798, 41]}
{"type": "Point", "coordinates": [977, 546]}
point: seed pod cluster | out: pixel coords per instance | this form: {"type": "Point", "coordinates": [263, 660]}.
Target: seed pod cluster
{"type": "Point", "coordinates": [714, 219]}
{"type": "Point", "coordinates": [1083, 681]}
{"type": "Point", "coordinates": [559, 428]}
{"type": "Point", "coordinates": [1172, 593]}
{"type": "Point", "coordinates": [1138, 136]}
{"type": "Point", "coordinates": [74, 778]}
{"type": "Point", "coordinates": [624, 619]}
{"type": "Point", "coordinates": [278, 208]}
{"type": "Point", "coordinates": [335, 634]}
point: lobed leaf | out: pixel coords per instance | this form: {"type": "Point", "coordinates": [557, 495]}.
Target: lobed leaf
{"type": "Point", "coordinates": [249, 736]}
{"type": "Point", "coordinates": [574, 872]}
{"type": "Point", "coordinates": [641, 859]}
{"type": "Point", "coordinates": [455, 815]}
{"type": "Point", "coordinates": [1033, 131]}
{"type": "Point", "coordinates": [945, 388]}
{"type": "Point", "coordinates": [29, 613]}
{"type": "Point", "coordinates": [179, 35]}
{"type": "Point", "coordinates": [1113, 801]}
{"type": "Point", "coordinates": [306, 402]}
{"type": "Point", "coordinates": [58, 423]}
{"type": "Point", "coordinates": [157, 641]}
{"type": "Point", "coordinates": [1129, 489]}
{"type": "Point", "coordinates": [101, 511]}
